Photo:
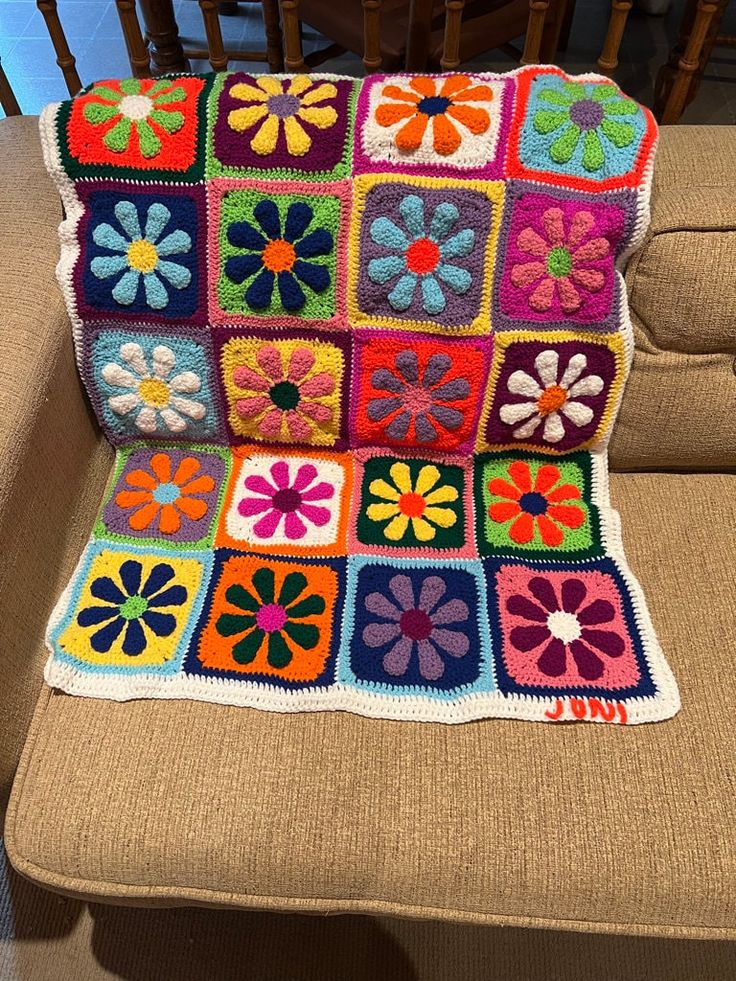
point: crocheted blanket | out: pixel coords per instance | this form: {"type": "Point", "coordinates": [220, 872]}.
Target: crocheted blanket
{"type": "Point", "coordinates": [359, 346]}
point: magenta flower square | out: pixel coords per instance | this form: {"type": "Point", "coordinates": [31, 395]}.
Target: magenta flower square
{"type": "Point", "coordinates": [566, 630]}
{"type": "Point", "coordinates": [560, 255]}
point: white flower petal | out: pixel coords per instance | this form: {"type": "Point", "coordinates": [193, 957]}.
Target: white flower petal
{"type": "Point", "coordinates": [187, 382]}
{"type": "Point", "coordinates": [164, 360]}
{"type": "Point", "coordinates": [511, 414]}
{"type": "Point", "coordinates": [174, 422]}
{"type": "Point", "coordinates": [115, 374]}
{"type": "Point", "coordinates": [146, 420]}
{"type": "Point", "coordinates": [121, 404]}
{"type": "Point", "coordinates": [547, 364]}
{"type": "Point", "coordinates": [592, 385]}
{"type": "Point", "coordinates": [195, 410]}
{"type": "Point", "coordinates": [528, 428]}
{"type": "Point", "coordinates": [577, 365]}
{"type": "Point", "coordinates": [132, 354]}
{"type": "Point", "coordinates": [553, 428]}
{"type": "Point", "coordinates": [578, 413]}
{"type": "Point", "coordinates": [522, 384]}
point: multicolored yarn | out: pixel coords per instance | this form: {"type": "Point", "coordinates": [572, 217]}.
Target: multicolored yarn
{"type": "Point", "coordinates": [359, 346]}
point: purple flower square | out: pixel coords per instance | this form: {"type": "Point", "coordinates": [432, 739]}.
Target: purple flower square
{"type": "Point", "coordinates": [559, 258]}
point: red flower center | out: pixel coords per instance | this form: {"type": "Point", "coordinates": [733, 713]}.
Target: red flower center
{"type": "Point", "coordinates": [415, 624]}
{"type": "Point", "coordinates": [422, 256]}
{"type": "Point", "coordinates": [412, 505]}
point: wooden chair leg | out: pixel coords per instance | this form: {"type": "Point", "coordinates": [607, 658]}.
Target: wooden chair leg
{"type": "Point", "coordinates": [274, 48]}
{"type": "Point", "coordinates": [64, 58]}
{"type": "Point", "coordinates": [215, 47]}
{"type": "Point", "coordinates": [8, 100]}
{"type": "Point", "coordinates": [167, 54]}
{"type": "Point", "coordinates": [140, 62]}
{"type": "Point", "coordinates": [293, 57]}
{"type": "Point", "coordinates": [616, 25]}
{"type": "Point", "coordinates": [534, 29]}
{"type": "Point", "coordinates": [451, 41]}
{"type": "Point", "coordinates": [552, 31]}
{"type": "Point", "coordinates": [372, 35]}
{"type": "Point", "coordinates": [689, 62]}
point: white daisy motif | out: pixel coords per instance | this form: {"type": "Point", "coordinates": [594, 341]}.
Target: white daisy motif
{"type": "Point", "coordinates": [551, 398]}
{"type": "Point", "coordinates": [151, 392]}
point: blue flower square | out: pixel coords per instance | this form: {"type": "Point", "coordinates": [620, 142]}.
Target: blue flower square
{"type": "Point", "coordinates": [139, 253]}
{"type": "Point", "coordinates": [415, 627]}
{"type": "Point", "coordinates": [158, 386]}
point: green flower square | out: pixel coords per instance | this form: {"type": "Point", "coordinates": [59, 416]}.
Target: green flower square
{"type": "Point", "coordinates": [278, 255]}
{"type": "Point", "coordinates": [411, 504]}
{"type": "Point", "coordinates": [528, 504]}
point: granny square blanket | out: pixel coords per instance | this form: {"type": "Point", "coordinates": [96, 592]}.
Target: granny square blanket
{"type": "Point", "coordinates": [359, 345]}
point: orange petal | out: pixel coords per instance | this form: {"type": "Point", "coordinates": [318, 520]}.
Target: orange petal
{"type": "Point", "coordinates": [193, 507]}
{"type": "Point", "coordinates": [504, 511]}
{"type": "Point", "coordinates": [186, 470]}
{"type": "Point", "coordinates": [387, 115]}
{"type": "Point", "coordinates": [170, 520]}
{"type": "Point", "coordinates": [423, 85]}
{"type": "Point", "coordinates": [521, 475]}
{"type": "Point", "coordinates": [455, 83]}
{"type": "Point", "coordinates": [410, 136]}
{"type": "Point", "coordinates": [565, 492]}
{"type": "Point", "coordinates": [161, 466]}
{"type": "Point", "coordinates": [132, 499]}
{"type": "Point", "coordinates": [502, 488]}
{"type": "Point", "coordinates": [141, 478]}
{"type": "Point", "coordinates": [394, 92]}
{"type": "Point", "coordinates": [446, 137]}
{"type": "Point", "coordinates": [200, 485]}
{"type": "Point", "coordinates": [143, 518]}
{"type": "Point", "coordinates": [551, 534]}
{"type": "Point", "coordinates": [522, 530]}
{"type": "Point", "coordinates": [547, 477]}
{"type": "Point", "coordinates": [478, 93]}
{"type": "Point", "coordinates": [567, 514]}
{"type": "Point", "coordinates": [476, 120]}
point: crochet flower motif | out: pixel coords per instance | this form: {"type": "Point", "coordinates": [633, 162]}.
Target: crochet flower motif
{"type": "Point", "coordinates": [132, 607]}
{"type": "Point", "coordinates": [151, 391]}
{"type": "Point", "coordinates": [409, 626]}
{"type": "Point", "coordinates": [567, 627]}
{"type": "Point", "coordinates": [288, 499]}
{"type": "Point", "coordinates": [421, 107]}
{"type": "Point", "coordinates": [139, 107]}
{"type": "Point", "coordinates": [262, 618]}
{"type": "Point", "coordinates": [542, 505]}
{"type": "Point", "coordinates": [278, 257]}
{"type": "Point", "coordinates": [417, 503]}
{"type": "Point", "coordinates": [142, 254]}
{"type": "Point", "coordinates": [272, 109]}
{"type": "Point", "coordinates": [421, 401]}
{"type": "Point", "coordinates": [557, 397]}
{"type": "Point", "coordinates": [587, 112]}
{"type": "Point", "coordinates": [420, 257]}
{"type": "Point", "coordinates": [284, 396]}
{"type": "Point", "coordinates": [560, 264]}
{"type": "Point", "coordinates": [160, 495]}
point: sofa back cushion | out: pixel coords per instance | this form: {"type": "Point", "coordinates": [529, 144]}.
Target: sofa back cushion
{"type": "Point", "coordinates": [679, 406]}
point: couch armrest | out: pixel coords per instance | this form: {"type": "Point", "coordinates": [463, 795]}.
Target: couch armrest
{"type": "Point", "coordinates": [53, 460]}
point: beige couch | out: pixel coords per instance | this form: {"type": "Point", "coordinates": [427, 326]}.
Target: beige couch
{"type": "Point", "coordinates": [602, 830]}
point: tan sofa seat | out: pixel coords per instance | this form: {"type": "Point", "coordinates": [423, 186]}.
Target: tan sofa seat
{"type": "Point", "coordinates": [584, 827]}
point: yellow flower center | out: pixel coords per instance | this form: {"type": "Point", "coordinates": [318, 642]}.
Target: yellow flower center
{"type": "Point", "coordinates": [154, 392]}
{"type": "Point", "coordinates": [279, 255]}
{"type": "Point", "coordinates": [551, 399]}
{"type": "Point", "coordinates": [142, 255]}
{"type": "Point", "coordinates": [412, 505]}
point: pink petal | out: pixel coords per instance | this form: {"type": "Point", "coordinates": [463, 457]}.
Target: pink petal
{"type": "Point", "coordinates": [579, 228]}
{"type": "Point", "coordinates": [541, 298]}
{"type": "Point", "coordinates": [322, 384]}
{"type": "Point", "coordinates": [320, 492]}
{"type": "Point", "coordinates": [554, 227]}
{"type": "Point", "coordinates": [268, 524]}
{"type": "Point", "coordinates": [531, 242]}
{"type": "Point", "coordinates": [298, 428]}
{"type": "Point", "coordinates": [302, 361]}
{"type": "Point", "coordinates": [249, 408]}
{"type": "Point", "coordinates": [590, 279]}
{"type": "Point", "coordinates": [569, 297]}
{"type": "Point", "coordinates": [280, 474]}
{"type": "Point", "coordinates": [270, 425]}
{"type": "Point", "coordinates": [305, 475]}
{"type": "Point", "coordinates": [259, 485]}
{"type": "Point", "coordinates": [316, 411]}
{"type": "Point", "coordinates": [253, 505]}
{"type": "Point", "coordinates": [318, 516]}
{"type": "Point", "coordinates": [596, 248]}
{"type": "Point", "coordinates": [525, 273]}
{"type": "Point", "coordinates": [269, 360]}
{"type": "Point", "coordinates": [245, 377]}
{"type": "Point", "coordinates": [294, 526]}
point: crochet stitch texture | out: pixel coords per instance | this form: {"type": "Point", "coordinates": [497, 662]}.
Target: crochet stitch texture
{"type": "Point", "coordinates": [359, 346]}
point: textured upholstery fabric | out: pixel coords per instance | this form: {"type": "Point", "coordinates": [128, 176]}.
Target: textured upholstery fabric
{"type": "Point", "coordinates": [47, 497]}
{"type": "Point", "coordinates": [677, 410]}
{"type": "Point", "coordinates": [586, 827]}
{"type": "Point", "coordinates": [44, 937]}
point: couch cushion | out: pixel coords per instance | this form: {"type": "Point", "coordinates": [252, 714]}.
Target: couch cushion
{"type": "Point", "coordinates": [677, 410]}
{"type": "Point", "coordinates": [588, 827]}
